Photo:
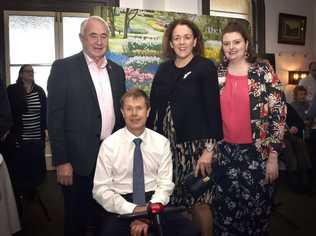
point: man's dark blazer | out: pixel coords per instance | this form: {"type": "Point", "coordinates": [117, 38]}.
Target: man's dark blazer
{"type": "Point", "coordinates": [74, 116]}
{"type": "Point", "coordinates": [312, 109]}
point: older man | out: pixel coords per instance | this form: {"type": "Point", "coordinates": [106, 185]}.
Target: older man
{"type": "Point", "coordinates": [83, 108]}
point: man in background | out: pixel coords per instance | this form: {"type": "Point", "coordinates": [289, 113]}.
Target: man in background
{"type": "Point", "coordinates": [310, 81]}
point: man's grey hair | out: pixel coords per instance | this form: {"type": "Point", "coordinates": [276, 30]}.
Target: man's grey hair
{"type": "Point", "coordinates": [96, 18]}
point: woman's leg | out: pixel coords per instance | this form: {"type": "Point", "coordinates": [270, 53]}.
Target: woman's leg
{"type": "Point", "coordinates": [202, 217]}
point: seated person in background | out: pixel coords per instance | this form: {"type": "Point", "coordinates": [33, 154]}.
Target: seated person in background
{"type": "Point", "coordinates": [300, 104]}
{"type": "Point", "coordinates": [117, 188]}
{"type": "Point", "coordinates": [304, 109]}
{"type": "Point", "coordinates": [296, 157]}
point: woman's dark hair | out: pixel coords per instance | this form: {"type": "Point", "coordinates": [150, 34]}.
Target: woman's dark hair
{"type": "Point", "coordinates": [19, 80]}
{"type": "Point", "coordinates": [168, 52]}
{"type": "Point", "coordinates": [235, 26]}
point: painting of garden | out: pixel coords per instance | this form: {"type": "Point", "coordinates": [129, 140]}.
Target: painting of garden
{"type": "Point", "coordinates": [136, 37]}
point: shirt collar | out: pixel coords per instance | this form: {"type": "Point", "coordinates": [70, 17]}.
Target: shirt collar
{"type": "Point", "coordinates": [131, 137]}
{"type": "Point", "coordinates": [90, 61]}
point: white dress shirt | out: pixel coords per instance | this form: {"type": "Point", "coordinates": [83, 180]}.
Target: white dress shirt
{"type": "Point", "coordinates": [114, 169]}
{"type": "Point", "coordinates": [102, 85]}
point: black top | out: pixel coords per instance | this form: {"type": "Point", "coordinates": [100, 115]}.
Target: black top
{"type": "Point", "coordinates": [193, 94]}
{"type": "Point", "coordinates": [19, 107]}
{"type": "Point", "coordinates": [293, 119]}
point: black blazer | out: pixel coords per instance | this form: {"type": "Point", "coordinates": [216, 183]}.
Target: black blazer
{"type": "Point", "coordinates": [74, 116]}
{"type": "Point", "coordinates": [193, 93]}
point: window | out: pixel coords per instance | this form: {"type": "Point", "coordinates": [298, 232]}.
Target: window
{"type": "Point", "coordinates": [231, 8]}
{"type": "Point", "coordinates": [38, 38]}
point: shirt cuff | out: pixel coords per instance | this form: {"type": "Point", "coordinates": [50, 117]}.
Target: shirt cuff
{"type": "Point", "coordinates": [162, 198]}
{"type": "Point", "coordinates": [127, 208]}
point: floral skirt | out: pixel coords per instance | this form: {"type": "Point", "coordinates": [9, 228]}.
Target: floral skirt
{"type": "Point", "coordinates": [185, 156]}
{"type": "Point", "coordinates": [242, 201]}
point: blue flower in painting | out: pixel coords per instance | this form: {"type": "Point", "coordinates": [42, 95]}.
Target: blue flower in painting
{"type": "Point", "coordinates": [118, 58]}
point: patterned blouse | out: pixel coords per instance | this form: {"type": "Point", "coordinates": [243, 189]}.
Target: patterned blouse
{"type": "Point", "coordinates": [267, 107]}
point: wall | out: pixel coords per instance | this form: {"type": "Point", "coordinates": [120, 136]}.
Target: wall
{"type": "Point", "coordinates": [290, 57]}
{"type": "Point", "coordinates": [187, 6]}
{"type": "Point", "coordinates": [314, 33]}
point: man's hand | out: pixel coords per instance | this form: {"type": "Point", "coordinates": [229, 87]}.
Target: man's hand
{"type": "Point", "coordinates": [65, 174]}
{"type": "Point", "coordinates": [204, 164]}
{"type": "Point", "coordinates": [272, 168]}
{"type": "Point", "coordinates": [139, 228]}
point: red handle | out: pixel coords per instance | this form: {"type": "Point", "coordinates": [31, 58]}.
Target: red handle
{"type": "Point", "coordinates": [155, 208]}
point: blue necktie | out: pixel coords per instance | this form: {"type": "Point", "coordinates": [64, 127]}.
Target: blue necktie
{"type": "Point", "coordinates": [138, 174]}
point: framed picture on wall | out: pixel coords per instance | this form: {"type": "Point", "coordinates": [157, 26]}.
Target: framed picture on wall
{"type": "Point", "coordinates": [292, 29]}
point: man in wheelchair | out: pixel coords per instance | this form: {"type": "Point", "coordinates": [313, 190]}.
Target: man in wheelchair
{"type": "Point", "coordinates": [134, 168]}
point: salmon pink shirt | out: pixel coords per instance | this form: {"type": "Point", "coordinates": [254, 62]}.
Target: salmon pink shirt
{"type": "Point", "coordinates": [235, 109]}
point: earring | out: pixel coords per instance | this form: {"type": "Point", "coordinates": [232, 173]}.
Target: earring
{"type": "Point", "coordinates": [247, 54]}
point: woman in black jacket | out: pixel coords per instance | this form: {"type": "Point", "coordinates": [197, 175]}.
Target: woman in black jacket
{"type": "Point", "coordinates": [185, 108]}
{"type": "Point", "coordinates": [26, 141]}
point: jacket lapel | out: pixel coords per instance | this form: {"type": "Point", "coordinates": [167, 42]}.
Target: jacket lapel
{"type": "Point", "coordinates": [113, 83]}
{"type": "Point", "coordinates": [85, 73]}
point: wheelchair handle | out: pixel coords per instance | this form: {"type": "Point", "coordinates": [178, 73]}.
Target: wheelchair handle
{"type": "Point", "coordinates": [152, 209]}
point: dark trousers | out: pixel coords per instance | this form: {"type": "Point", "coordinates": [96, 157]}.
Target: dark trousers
{"type": "Point", "coordinates": [79, 206]}
{"type": "Point", "coordinates": [172, 224]}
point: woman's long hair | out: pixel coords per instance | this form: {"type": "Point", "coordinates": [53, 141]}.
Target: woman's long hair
{"type": "Point", "coordinates": [21, 91]}
{"type": "Point", "coordinates": [19, 81]}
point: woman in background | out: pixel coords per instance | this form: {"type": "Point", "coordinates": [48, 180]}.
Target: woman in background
{"type": "Point", "coordinates": [185, 108]}
{"type": "Point", "coordinates": [253, 113]}
{"type": "Point", "coordinates": [26, 139]}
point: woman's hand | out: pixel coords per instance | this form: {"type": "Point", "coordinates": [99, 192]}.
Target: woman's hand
{"type": "Point", "coordinates": [272, 168]}
{"type": "Point", "coordinates": [204, 164]}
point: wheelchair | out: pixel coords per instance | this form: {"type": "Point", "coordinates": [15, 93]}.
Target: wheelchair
{"type": "Point", "coordinates": [153, 213]}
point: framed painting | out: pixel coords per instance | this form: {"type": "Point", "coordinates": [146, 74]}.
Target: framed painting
{"type": "Point", "coordinates": [292, 29]}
